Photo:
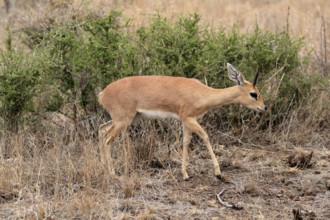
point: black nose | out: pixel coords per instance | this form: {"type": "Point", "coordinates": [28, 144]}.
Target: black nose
{"type": "Point", "coordinates": [266, 107]}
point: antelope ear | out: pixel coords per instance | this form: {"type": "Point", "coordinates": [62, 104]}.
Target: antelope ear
{"type": "Point", "coordinates": [235, 75]}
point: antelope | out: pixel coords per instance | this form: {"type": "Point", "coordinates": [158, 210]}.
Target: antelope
{"type": "Point", "coordinates": [185, 99]}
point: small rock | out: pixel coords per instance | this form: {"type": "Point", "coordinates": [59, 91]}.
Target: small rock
{"type": "Point", "coordinates": [300, 159]}
{"type": "Point", "coordinates": [240, 205]}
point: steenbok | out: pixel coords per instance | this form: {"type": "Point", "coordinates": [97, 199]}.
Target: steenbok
{"type": "Point", "coordinates": [181, 98]}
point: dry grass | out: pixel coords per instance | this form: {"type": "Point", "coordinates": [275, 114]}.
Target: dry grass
{"type": "Point", "coordinates": [58, 174]}
{"type": "Point", "coordinates": [304, 18]}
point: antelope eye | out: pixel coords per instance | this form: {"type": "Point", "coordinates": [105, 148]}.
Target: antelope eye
{"type": "Point", "coordinates": [254, 95]}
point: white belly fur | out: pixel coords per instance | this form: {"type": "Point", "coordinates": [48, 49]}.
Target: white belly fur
{"type": "Point", "coordinates": [157, 114]}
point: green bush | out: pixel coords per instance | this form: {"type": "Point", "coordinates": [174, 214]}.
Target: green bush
{"type": "Point", "coordinates": [111, 50]}
{"type": "Point", "coordinates": [168, 48]}
{"type": "Point", "coordinates": [19, 83]}
{"type": "Point", "coordinates": [70, 61]}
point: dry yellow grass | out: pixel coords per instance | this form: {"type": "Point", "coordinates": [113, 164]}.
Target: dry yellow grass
{"type": "Point", "coordinates": [305, 16]}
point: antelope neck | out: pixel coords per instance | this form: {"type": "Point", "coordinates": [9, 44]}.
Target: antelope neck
{"type": "Point", "coordinates": [222, 97]}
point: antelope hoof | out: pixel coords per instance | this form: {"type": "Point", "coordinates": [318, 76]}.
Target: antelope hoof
{"type": "Point", "coordinates": [187, 178]}
{"type": "Point", "coordinates": [219, 177]}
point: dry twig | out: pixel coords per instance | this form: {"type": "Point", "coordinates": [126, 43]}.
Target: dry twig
{"type": "Point", "coordinates": [237, 206]}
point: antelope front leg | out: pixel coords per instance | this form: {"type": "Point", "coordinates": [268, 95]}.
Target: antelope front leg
{"type": "Point", "coordinates": [205, 137]}
{"type": "Point", "coordinates": [194, 126]}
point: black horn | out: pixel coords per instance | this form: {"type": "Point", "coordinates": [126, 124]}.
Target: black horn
{"type": "Point", "coordinates": [256, 79]}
